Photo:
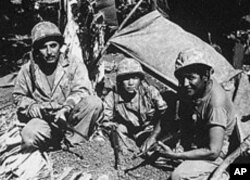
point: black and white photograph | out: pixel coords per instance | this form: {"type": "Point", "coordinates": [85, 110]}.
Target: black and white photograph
{"type": "Point", "coordinates": [124, 89]}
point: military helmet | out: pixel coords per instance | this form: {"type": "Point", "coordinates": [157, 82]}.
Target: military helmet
{"type": "Point", "coordinates": [45, 31]}
{"type": "Point", "coordinates": [129, 66]}
{"type": "Point", "coordinates": [189, 58]}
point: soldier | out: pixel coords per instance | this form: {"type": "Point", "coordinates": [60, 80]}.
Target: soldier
{"type": "Point", "coordinates": [49, 87]}
{"type": "Point", "coordinates": [134, 106]}
{"type": "Point", "coordinates": [207, 118]}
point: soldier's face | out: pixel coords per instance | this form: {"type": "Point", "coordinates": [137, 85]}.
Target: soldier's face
{"type": "Point", "coordinates": [192, 84]}
{"type": "Point", "coordinates": [50, 51]}
{"type": "Point", "coordinates": [131, 83]}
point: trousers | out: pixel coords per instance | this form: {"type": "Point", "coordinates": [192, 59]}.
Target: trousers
{"type": "Point", "coordinates": [38, 133]}
{"type": "Point", "coordinates": [197, 170]}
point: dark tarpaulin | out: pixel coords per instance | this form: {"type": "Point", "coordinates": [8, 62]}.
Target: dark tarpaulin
{"type": "Point", "coordinates": [155, 42]}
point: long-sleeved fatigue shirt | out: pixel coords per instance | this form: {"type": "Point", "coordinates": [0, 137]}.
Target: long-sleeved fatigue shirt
{"type": "Point", "coordinates": [136, 113]}
{"type": "Point", "coordinates": [70, 85]}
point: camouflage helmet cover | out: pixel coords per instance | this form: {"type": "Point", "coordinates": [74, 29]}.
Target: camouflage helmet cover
{"type": "Point", "coordinates": [129, 66]}
{"type": "Point", "coordinates": [45, 31]}
{"type": "Point", "coordinates": [191, 57]}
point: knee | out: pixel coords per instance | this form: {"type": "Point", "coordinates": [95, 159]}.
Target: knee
{"type": "Point", "coordinates": [33, 135]}
{"type": "Point", "coordinates": [29, 136]}
{"type": "Point", "coordinates": [94, 103]}
{"type": "Point", "coordinates": [122, 129]}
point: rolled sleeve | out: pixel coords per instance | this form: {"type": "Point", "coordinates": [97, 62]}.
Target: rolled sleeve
{"type": "Point", "coordinates": [157, 99]}
{"type": "Point", "coordinates": [218, 117]}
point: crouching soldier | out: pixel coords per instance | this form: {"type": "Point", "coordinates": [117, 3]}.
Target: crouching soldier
{"type": "Point", "coordinates": [207, 118]}
{"type": "Point", "coordinates": [134, 107]}
{"type": "Point", "coordinates": [50, 88]}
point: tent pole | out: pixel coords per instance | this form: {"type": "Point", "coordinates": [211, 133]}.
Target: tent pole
{"type": "Point", "coordinates": [129, 16]}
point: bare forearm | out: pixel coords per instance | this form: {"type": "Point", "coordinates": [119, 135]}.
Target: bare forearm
{"type": "Point", "coordinates": [211, 152]}
{"type": "Point", "coordinates": [196, 154]}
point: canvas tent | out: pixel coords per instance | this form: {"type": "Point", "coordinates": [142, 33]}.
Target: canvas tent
{"type": "Point", "coordinates": [155, 42]}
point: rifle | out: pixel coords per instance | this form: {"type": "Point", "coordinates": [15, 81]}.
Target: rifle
{"type": "Point", "coordinates": [66, 126]}
{"type": "Point", "coordinates": [115, 144]}
{"type": "Point", "coordinates": [164, 140]}
{"type": "Point", "coordinates": [61, 123]}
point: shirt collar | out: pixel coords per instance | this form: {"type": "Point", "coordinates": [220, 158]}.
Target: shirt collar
{"type": "Point", "coordinates": [207, 93]}
{"type": "Point", "coordinates": [63, 60]}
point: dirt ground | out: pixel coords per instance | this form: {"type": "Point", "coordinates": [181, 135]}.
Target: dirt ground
{"type": "Point", "coordinates": [95, 158]}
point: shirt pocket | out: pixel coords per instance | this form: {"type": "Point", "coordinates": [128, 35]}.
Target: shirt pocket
{"type": "Point", "coordinates": [65, 88]}
{"type": "Point", "coordinates": [66, 84]}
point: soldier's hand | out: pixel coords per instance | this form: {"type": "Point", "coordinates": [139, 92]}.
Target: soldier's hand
{"type": "Point", "coordinates": [147, 144]}
{"type": "Point", "coordinates": [108, 124]}
{"type": "Point", "coordinates": [164, 149]}
{"type": "Point", "coordinates": [35, 110]}
{"type": "Point", "coordinates": [51, 106]}
{"type": "Point", "coordinates": [178, 148]}
{"type": "Point", "coordinates": [61, 114]}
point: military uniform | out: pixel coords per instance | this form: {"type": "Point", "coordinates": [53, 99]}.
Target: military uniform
{"type": "Point", "coordinates": [207, 117]}
{"type": "Point", "coordinates": [138, 114]}
{"type": "Point", "coordinates": [71, 88]}
{"type": "Point", "coordinates": [214, 109]}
